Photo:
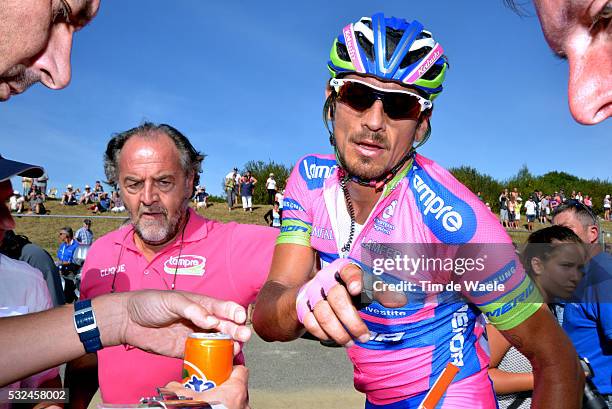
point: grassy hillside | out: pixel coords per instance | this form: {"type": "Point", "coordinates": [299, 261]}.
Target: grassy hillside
{"type": "Point", "coordinates": [44, 230]}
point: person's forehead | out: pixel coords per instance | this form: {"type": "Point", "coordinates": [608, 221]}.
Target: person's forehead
{"type": "Point", "coordinates": [157, 151]}
{"type": "Point", "coordinates": [567, 218]}
{"type": "Point", "coordinates": [558, 17]}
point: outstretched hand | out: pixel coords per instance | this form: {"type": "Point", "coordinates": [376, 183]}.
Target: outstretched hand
{"type": "Point", "coordinates": [161, 321]}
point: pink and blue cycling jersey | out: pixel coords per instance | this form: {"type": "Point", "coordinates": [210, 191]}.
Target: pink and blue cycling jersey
{"type": "Point", "coordinates": [410, 346]}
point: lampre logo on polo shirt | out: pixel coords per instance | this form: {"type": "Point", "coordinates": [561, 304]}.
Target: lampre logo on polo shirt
{"type": "Point", "coordinates": [187, 264]}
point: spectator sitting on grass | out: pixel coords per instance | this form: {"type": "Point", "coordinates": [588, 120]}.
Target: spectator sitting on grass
{"type": "Point", "coordinates": [37, 202]}
{"type": "Point", "coordinates": [69, 196]}
{"type": "Point", "coordinates": [103, 204]}
{"type": "Point", "coordinates": [16, 202]}
{"type": "Point", "coordinates": [98, 190]}
{"type": "Point", "coordinates": [200, 197]}
{"type": "Point", "coordinates": [116, 203]}
{"type": "Point", "coordinates": [88, 196]}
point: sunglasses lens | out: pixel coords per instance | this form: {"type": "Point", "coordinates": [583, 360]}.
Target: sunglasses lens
{"type": "Point", "coordinates": [397, 105]}
{"type": "Point", "coordinates": [358, 96]}
{"type": "Point", "coordinates": [402, 106]}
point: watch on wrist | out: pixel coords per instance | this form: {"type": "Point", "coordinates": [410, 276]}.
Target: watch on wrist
{"type": "Point", "coordinates": [86, 326]}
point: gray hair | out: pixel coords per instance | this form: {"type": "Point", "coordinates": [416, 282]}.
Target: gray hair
{"type": "Point", "coordinates": [190, 159]}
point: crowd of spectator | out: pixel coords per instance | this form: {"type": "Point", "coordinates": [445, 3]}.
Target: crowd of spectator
{"type": "Point", "coordinates": [539, 206]}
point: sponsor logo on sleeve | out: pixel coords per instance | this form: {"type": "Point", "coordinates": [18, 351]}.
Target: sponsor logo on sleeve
{"type": "Point", "coordinates": [500, 277]}
{"type": "Point", "coordinates": [451, 219]}
{"type": "Point", "coordinates": [291, 204]}
{"type": "Point", "coordinates": [315, 170]}
{"type": "Point", "coordinates": [295, 226]}
{"type": "Point", "coordinates": [187, 264]}
{"type": "Point", "coordinates": [509, 306]}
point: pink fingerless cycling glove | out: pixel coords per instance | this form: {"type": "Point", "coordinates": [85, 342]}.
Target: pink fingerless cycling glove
{"type": "Point", "coordinates": [317, 289]}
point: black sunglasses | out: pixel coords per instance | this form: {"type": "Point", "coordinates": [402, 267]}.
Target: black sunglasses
{"type": "Point", "coordinates": [398, 104]}
{"type": "Point", "coordinates": [579, 206]}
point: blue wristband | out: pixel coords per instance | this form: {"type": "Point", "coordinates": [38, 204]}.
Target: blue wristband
{"type": "Point", "coordinates": [86, 326]}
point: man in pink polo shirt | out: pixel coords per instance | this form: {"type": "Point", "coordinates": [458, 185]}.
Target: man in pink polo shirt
{"type": "Point", "coordinates": [167, 246]}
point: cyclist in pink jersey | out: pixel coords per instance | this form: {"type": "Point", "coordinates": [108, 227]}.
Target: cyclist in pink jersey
{"type": "Point", "coordinates": [376, 200]}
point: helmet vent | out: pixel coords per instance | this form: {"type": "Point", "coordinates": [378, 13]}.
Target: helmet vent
{"type": "Point", "coordinates": [414, 56]}
{"type": "Point", "coordinates": [365, 45]}
{"type": "Point", "coordinates": [342, 51]}
{"type": "Point", "coordinates": [433, 72]}
{"type": "Point", "coordinates": [393, 37]}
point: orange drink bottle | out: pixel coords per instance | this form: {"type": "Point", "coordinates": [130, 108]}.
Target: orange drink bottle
{"type": "Point", "coordinates": [208, 360]}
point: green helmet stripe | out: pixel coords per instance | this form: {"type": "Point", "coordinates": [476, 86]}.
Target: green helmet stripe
{"type": "Point", "coordinates": [434, 83]}
{"type": "Point", "coordinates": [337, 61]}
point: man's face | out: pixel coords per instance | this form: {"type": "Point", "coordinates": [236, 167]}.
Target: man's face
{"type": "Point", "coordinates": [63, 236]}
{"type": "Point", "coordinates": [369, 142]}
{"type": "Point", "coordinates": [6, 220]}
{"type": "Point", "coordinates": [36, 39]}
{"type": "Point", "coordinates": [154, 187]}
{"type": "Point", "coordinates": [580, 31]}
{"type": "Point", "coordinates": [569, 219]}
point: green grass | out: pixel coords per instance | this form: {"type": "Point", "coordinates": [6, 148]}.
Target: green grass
{"type": "Point", "coordinates": [44, 230]}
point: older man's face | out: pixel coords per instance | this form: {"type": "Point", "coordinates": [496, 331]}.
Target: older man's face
{"type": "Point", "coordinates": [155, 188]}
{"type": "Point", "coordinates": [36, 40]}
{"type": "Point", "coordinates": [580, 31]}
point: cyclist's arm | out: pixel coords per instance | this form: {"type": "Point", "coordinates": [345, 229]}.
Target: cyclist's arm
{"type": "Point", "coordinates": [504, 382]}
{"type": "Point", "coordinates": [558, 379]}
{"type": "Point", "coordinates": [275, 315]}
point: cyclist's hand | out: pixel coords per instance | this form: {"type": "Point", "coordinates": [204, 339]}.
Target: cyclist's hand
{"type": "Point", "coordinates": [329, 312]}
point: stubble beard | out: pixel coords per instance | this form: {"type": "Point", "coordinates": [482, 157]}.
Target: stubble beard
{"type": "Point", "coordinates": [362, 166]}
{"type": "Point", "coordinates": [156, 233]}
{"type": "Point", "coordinates": [20, 77]}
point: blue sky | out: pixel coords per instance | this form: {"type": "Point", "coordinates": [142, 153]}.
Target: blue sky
{"type": "Point", "coordinates": [244, 80]}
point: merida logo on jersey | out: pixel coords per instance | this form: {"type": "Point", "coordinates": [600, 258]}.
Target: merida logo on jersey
{"type": "Point", "coordinates": [451, 219]}
{"type": "Point", "coordinates": [505, 308]}
{"type": "Point", "coordinates": [315, 170]}
{"type": "Point", "coordinates": [459, 323]}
